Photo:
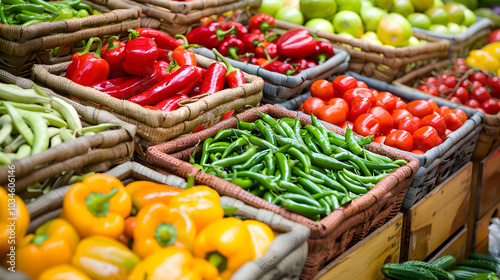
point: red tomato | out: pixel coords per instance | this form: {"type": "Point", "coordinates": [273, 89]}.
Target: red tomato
{"type": "Point", "coordinates": [418, 152]}
{"type": "Point", "coordinates": [360, 106]}
{"type": "Point", "coordinates": [481, 110]}
{"type": "Point", "coordinates": [494, 84]}
{"type": "Point", "coordinates": [331, 114]}
{"type": "Point", "coordinates": [480, 94]}
{"type": "Point", "coordinates": [466, 84]}
{"type": "Point", "coordinates": [426, 138]}
{"type": "Point", "coordinates": [494, 36]}
{"type": "Point", "coordinates": [419, 108]}
{"type": "Point", "coordinates": [461, 61]}
{"type": "Point", "coordinates": [398, 115]}
{"type": "Point", "coordinates": [443, 110]}
{"type": "Point", "coordinates": [312, 104]}
{"type": "Point", "coordinates": [350, 124]}
{"type": "Point", "coordinates": [446, 133]}
{"type": "Point", "coordinates": [366, 125]}
{"type": "Point", "coordinates": [436, 121]}
{"type": "Point", "coordinates": [432, 91]}
{"type": "Point", "coordinates": [433, 104]}
{"type": "Point", "coordinates": [387, 101]}
{"type": "Point", "coordinates": [423, 87]}
{"type": "Point", "coordinates": [362, 84]}
{"type": "Point", "coordinates": [455, 99]}
{"type": "Point", "coordinates": [431, 80]}
{"type": "Point", "coordinates": [359, 92]}
{"type": "Point", "coordinates": [322, 89]}
{"type": "Point", "coordinates": [450, 82]}
{"type": "Point", "coordinates": [462, 94]}
{"type": "Point", "coordinates": [409, 124]}
{"type": "Point", "coordinates": [461, 114]}
{"type": "Point", "coordinates": [384, 119]}
{"type": "Point", "coordinates": [343, 83]}
{"type": "Point", "coordinates": [339, 103]}
{"type": "Point", "coordinates": [478, 76]}
{"type": "Point", "coordinates": [379, 139]}
{"type": "Point", "coordinates": [472, 103]}
{"type": "Point", "coordinates": [400, 104]}
{"type": "Point", "coordinates": [490, 106]}
{"type": "Point", "coordinates": [453, 122]}
{"type": "Point", "coordinates": [400, 139]}
{"type": "Point", "coordinates": [476, 84]}
{"type": "Point", "coordinates": [301, 107]}
{"type": "Point", "coordinates": [130, 223]}
{"type": "Point", "coordinates": [442, 88]}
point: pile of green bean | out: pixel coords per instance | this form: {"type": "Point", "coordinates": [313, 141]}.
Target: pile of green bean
{"type": "Point", "coordinates": [306, 169]}
{"type": "Point", "coordinates": [31, 122]}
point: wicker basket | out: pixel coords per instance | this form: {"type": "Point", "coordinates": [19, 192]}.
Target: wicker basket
{"type": "Point", "coordinates": [22, 47]}
{"type": "Point", "coordinates": [378, 62]}
{"type": "Point", "coordinates": [156, 126]}
{"type": "Point", "coordinates": [333, 234]}
{"type": "Point", "coordinates": [474, 37]}
{"type": "Point", "coordinates": [489, 137]}
{"type": "Point", "coordinates": [284, 258]}
{"type": "Point", "coordinates": [84, 154]}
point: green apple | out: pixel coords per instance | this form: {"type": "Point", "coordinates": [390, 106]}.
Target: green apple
{"type": "Point", "coordinates": [423, 42]}
{"type": "Point", "coordinates": [348, 22]}
{"type": "Point", "coordinates": [438, 16]}
{"type": "Point", "coordinates": [439, 28]}
{"type": "Point", "coordinates": [371, 17]}
{"type": "Point", "coordinates": [402, 7]}
{"type": "Point", "coordinates": [464, 28]}
{"type": "Point", "coordinates": [346, 35]}
{"type": "Point", "coordinates": [438, 4]}
{"type": "Point", "coordinates": [349, 5]}
{"type": "Point", "coordinates": [318, 8]}
{"type": "Point", "coordinates": [455, 12]}
{"type": "Point", "coordinates": [394, 30]}
{"type": "Point", "coordinates": [270, 7]}
{"type": "Point", "coordinates": [365, 4]}
{"type": "Point", "coordinates": [290, 14]}
{"type": "Point", "coordinates": [384, 4]}
{"type": "Point", "coordinates": [471, 4]}
{"type": "Point", "coordinates": [419, 20]}
{"type": "Point", "coordinates": [454, 28]}
{"type": "Point", "coordinates": [372, 38]}
{"type": "Point", "coordinates": [422, 5]}
{"type": "Point", "coordinates": [413, 41]}
{"type": "Point", "coordinates": [469, 18]}
{"type": "Point", "coordinates": [321, 24]}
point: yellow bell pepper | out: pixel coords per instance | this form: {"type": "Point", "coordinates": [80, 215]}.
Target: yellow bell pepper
{"type": "Point", "coordinates": [158, 226]}
{"type": "Point", "coordinates": [63, 272]}
{"type": "Point", "coordinates": [225, 243]}
{"type": "Point", "coordinates": [172, 263]}
{"type": "Point", "coordinates": [482, 59]}
{"type": "Point", "coordinates": [97, 206]}
{"type": "Point", "coordinates": [493, 49]}
{"type": "Point", "coordinates": [103, 258]}
{"type": "Point", "coordinates": [201, 203]}
{"type": "Point", "coordinates": [262, 236]}
{"type": "Point", "coordinates": [144, 192]}
{"type": "Point", "coordinates": [53, 243]}
{"type": "Point", "coordinates": [14, 221]}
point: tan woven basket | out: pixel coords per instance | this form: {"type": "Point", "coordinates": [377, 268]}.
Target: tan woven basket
{"type": "Point", "coordinates": [84, 154]}
{"type": "Point", "coordinates": [21, 47]}
{"type": "Point", "coordinates": [333, 234]}
{"type": "Point", "coordinates": [283, 260]}
{"type": "Point", "coordinates": [378, 62]}
{"type": "Point", "coordinates": [489, 137]}
{"type": "Point", "coordinates": [155, 126]}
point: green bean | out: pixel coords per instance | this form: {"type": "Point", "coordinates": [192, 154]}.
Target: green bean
{"type": "Point", "coordinates": [15, 144]}
{"type": "Point", "coordinates": [4, 159]}
{"type": "Point", "coordinates": [98, 128]}
{"type": "Point", "coordinates": [30, 107]}
{"type": "Point", "coordinates": [78, 178]}
{"type": "Point", "coordinates": [66, 134]}
{"type": "Point", "coordinates": [52, 131]}
{"type": "Point", "coordinates": [7, 140]}
{"type": "Point", "coordinates": [19, 123]}
{"type": "Point", "coordinates": [40, 132]}
{"type": "Point", "coordinates": [6, 130]}
{"type": "Point", "coordinates": [23, 151]}
{"type": "Point", "coordinates": [56, 140]}
{"type": "Point", "coordinates": [53, 120]}
{"type": "Point", "coordinates": [17, 94]}
{"type": "Point", "coordinates": [69, 113]}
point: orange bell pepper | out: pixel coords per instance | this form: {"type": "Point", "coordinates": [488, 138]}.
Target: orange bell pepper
{"type": "Point", "coordinates": [97, 206]}
{"type": "Point", "coordinates": [201, 203]}
{"type": "Point", "coordinates": [262, 236]}
{"type": "Point", "coordinates": [53, 243]}
{"type": "Point", "coordinates": [172, 263]}
{"type": "Point", "coordinates": [63, 272]}
{"type": "Point", "coordinates": [144, 192]}
{"type": "Point", "coordinates": [14, 221]}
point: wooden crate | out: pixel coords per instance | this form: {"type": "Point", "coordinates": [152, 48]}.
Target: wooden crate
{"type": "Point", "coordinates": [456, 247]}
{"type": "Point", "coordinates": [435, 218]}
{"type": "Point", "coordinates": [363, 260]}
{"type": "Point", "coordinates": [481, 229]}
{"type": "Point", "coordinates": [485, 181]}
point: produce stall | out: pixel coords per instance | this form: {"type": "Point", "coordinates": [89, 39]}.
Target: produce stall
{"type": "Point", "coordinates": [249, 139]}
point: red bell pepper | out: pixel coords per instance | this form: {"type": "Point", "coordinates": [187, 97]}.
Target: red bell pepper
{"type": "Point", "coordinates": [214, 79]}
{"type": "Point", "coordinates": [240, 29]}
{"type": "Point", "coordinates": [179, 82]}
{"type": "Point", "coordinates": [249, 59]}
{"type": "Point", "coordinates": [209, 35]}
{"type": "Point", "coordinates": [172, 103]}
{"type": "Point", "coordinates": [161, 67]}
{"type": "Point", "coordinates": [250, 41]}
{"type": "Point", "coordinates": [88, 68]}
{"type": "Point", "coordinates": [280, 67]}
{"type": "Point", "coordinates": [301, 63]}
{"type": "Point", "coordinates": [182, 55]}
{"type": "Point", "coordinates": [140, 55]}
{"type": "Point", "coordinates": [262, 22]}
{"type": "Point", "coordinates": [232, 47]}
{"type": "Point", "coordinates": [112, 52]}
{"type": "Point", "coordinates": [235, 77]}
{"type": "Point", "coordinates": [296, 43]}
{"type": "Point", "coordinates": [267, 50]}
{"type": "Point", "coordinates": [324, 50]}
{"type": "Point", "coordinates": [162, 39]}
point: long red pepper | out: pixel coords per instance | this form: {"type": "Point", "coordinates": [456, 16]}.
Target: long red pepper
{"type": "Point", "coordinates": [162, 40]}
{"type": "Point", "coordinates": [116, 82]}
{"type": "Point", "coordinates": [112, 52]}
{"type": "Point", "coordinates": [209, 35]}
{"type": "Point", "coordinates": [269, 47]}
{"type": "Point", "coordinates": [182, 55]}
{"type": "Point", "coordinates": [214, 79]}
{"type": "Point", "coordinates": [172, 103]}
{"type": "Point", "coordinates": [88, 68]}
{"type": "Point", "coordinates": [179, 82]}
{"type": "Point", "coordinates": [301, 63]}
{"type": "Point", "coordinates": [140, 55]}
{"type": "Point", "coordinates": [235, 77]}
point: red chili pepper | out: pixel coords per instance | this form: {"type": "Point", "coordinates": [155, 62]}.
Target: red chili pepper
{"type": "Point", "coordinates": [209, 35]}
{"type": "Point", "coordinates": [296, 43]}
{"type": "Point", "coordinates": [300, 63]}
{"type": "Point", "coordinates": [171, 103]}
{"type": "Point", "coordinates": [262, 22]}
{"type": "Point", "coordinates": [227, 115]}
{"type": "Point", "coordinates": [150, 108]}
{"type": "Point", "coordinates": [269, 47]}
{"type": "Point", "coordinates": [182, 55]}
{"type": "Point", "coordinates": [179, 82]}
{"type": "Point", "coordinates": [111, 83]}
{"type": "Point", "coordinates": [324, 50]}
{"type": "Point", "coordinates": [88, 68]}
{"type": "Point", "coordinates": [195, 90]}
{"type": "Point", "coordinates": [162, 39]}
{"type": "Point", "coordinates": [250, 41]}
{"type": "Point", "coordinates": [203, 71]}
{"type": "Point", "coordinates": [140, 55]}
{"type": "Point", "coordinates": [198, 128]}
{"type": "Point", "coordinates": [235, 77]}
{"type": "Point", "coordinates": [162, 54]}
{"type": "Point", "coordinates": [280, 67]}
{"type": "Point", "coordinates": [161, 67]}
{"type": "Point", "coordinates": [240, 28]}
{"type": "Point", "coordinates": [112, 52]}
{"type": "Point", "coordinates": [232, 47]}
{"type": "Point", "coordinates": [214, 79]}
{"type": "Point", "coordinates": [251, 59]}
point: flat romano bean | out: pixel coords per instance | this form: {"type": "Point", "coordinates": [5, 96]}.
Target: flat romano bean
{"type": "Point", "coordinates": [98, 128]}
{"type": "Point", "coordinates": [19, 123]}
{"type": "Point", "coordinates": [17, 94]}
{"type": "Point", "coordinates": [66, 134]}
{"type": "Point", "coordinates": [30, 107]}
{"type": "Point", "coordinates": [55, 140]}
{"type": "Point", "coordinates": [69, 113]}
{"type": "Point", "coordinates": [4, 159]}
{"type": "Point", "coordinates": [40, 131]}
{"type": "Point", "coordinates": [54, 120]}
{"type": "Point", "coordinates": [6, 127]}
{"type": "Point", "coordinates": [23, 151]}
{"type": "Point", "coordinates": [15, 144]}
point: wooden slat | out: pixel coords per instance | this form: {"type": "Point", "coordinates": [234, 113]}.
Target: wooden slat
{"type": "Point", "coordinates": [455, 247]}
{"type": "Point", "coordinates": [488, 192]}
{"type": "Point", "coordinates": [482, 231]}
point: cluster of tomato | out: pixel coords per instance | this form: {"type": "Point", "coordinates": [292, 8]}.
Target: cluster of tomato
{"type": "Point", "coordinates": [416, 127]}
{"type": "Point", "coordinates": [463, 85]}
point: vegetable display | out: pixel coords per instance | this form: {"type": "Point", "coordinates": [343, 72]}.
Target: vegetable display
{"type": "Point", "coordinates": [306, 169]}
{"type": "Point", "coordinates": [416, 126]}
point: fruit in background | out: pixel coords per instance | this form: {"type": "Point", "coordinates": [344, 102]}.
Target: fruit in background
{"type": "Point", "coordinates": [471, 4]}
{"type": "Point", "coordinates": [346, 35]}
{"type": "Point", "coordinates": [414, 41]}
{"type": "Point", "coordinates": [371, 17]}
{"type": "Point", "coordinates": [455, 12]}
{"type": "Point", "coordinates": [290, 14]}
{"type": "Point", "coordinates": [395, 30]}
{"type": "Point", "coordinates": [454, 28]}
{"type": "Point", "coordinates": [488, 13]}
{"type": "Point", "coordinates": [270, 7]}
{"type": "Point", "coordinates": [348, 22]}
{"type": "Point", "coordinates": [420, 20]}
{"type": "Point", "coordinates": [372, 38]}
{"type": "Point", "coordinates": [469, 18]}
{"type": "Point", "coordinates": [292, 3]}
{"type": "Point", "coordinates": [438, 15]}
{"type": "Point", "coordinates": [422, 5]}
{"type": "Point", "coordinates": [494, 36]}
{"type": "Point", "coordinates": [480, 58]}
{"type": "Point", "coordinates": [318, 8]}
{"type": "Point", "coordinates": [367, 4]}
{"type": "Point", "coordinates": [402, 7]}
{"type": "Point", "coordinates": [349, 5]}
{"type": "Point", "coordinates": [438, 4]}
{"type": "Point", "coordinates": [384, 4]}
{"type": "Point", "coordinates": [439, 28]}
{"type": "Point", "coordinates": [321, 24]}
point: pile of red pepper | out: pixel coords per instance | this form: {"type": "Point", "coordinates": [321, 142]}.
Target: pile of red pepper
{"type": "Point", "coordinates": [145, 72]}
{"type": "Point", "coordinates": [288, 54]}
